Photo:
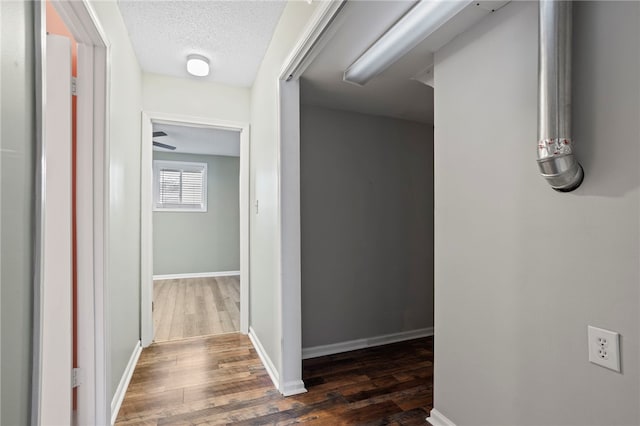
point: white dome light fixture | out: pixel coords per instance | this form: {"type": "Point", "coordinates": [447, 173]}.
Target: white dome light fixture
{"type": "Point", "coordinates": [197, 65]}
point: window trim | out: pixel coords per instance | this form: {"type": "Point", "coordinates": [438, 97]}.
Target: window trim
{"type": "Point", "coordinates": [182, 166]}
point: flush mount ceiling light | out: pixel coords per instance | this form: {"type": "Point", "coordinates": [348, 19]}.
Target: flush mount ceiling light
{"type": "Point", "coordinates": [415, 26]}
{"type": "Point", "coordinates": [197, 65]}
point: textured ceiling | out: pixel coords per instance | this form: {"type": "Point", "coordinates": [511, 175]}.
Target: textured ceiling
{"type": "Point", "coordinates": [198, 140]}
{"type": "Point", "coordinates": [233, 35]}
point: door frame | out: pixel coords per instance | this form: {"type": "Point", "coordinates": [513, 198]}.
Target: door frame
{"type": "Point", "coordinates": [146, 212]}
{"type": "Point", "coordinates": [313, 39]}
{"type": "Point", "coordinates": [92, 210]}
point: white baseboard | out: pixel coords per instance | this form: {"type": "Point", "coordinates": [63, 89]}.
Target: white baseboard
{"type": "Point", "coordinates": [436, 418]}
{"type": "Point", "coordinates": [295, 387]}
{"type": "Point", "coordinates": [264, 357]}
{"type": "Point", "coordinates": [352, 345]}
{"type": "Point", "coordinates": [118, 397]}
{"type": "Point", "coordinates": [196, 275]}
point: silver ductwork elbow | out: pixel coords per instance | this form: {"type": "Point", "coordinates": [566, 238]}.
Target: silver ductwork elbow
{"type": "Point", "coordinates": [555, 157]}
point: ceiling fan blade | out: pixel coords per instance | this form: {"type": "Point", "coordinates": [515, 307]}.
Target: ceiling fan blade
{"type": "Point", "coordinates": [164, 145]}
{"type": "Point", "coordinates": [158, 134]}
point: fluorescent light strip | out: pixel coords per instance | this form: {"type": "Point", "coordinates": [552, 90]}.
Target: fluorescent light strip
{"type": "Point", "coordinates": [415, 26]}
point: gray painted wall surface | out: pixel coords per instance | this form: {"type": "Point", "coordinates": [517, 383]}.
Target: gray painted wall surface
{"type": "Point", "coordinates": [522, 270]}
{"type": "Point", "coordinates": [124, 191]}
{"type": "Point", "coordinates": [208, 241]}
{"type": "Point", "coordinates": [367, 225]}
{"type": "Point", "coordinates": [17, 118]}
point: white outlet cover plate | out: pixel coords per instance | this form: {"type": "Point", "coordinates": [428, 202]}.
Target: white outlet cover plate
{"type": "Point", "coordinates": [604, 348]}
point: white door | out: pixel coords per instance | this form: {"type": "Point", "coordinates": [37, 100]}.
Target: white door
{"type": "Point", "coordinates": [56, 303]}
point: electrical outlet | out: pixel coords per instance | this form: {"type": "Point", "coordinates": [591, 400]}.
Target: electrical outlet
{"type": "Point", "coordinates": [604, 348]}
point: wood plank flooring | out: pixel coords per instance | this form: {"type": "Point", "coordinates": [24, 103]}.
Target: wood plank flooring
{"type": "Point", "coordinates": [195, 307]}
{"type": "Point", "coordinates": [220, 380]}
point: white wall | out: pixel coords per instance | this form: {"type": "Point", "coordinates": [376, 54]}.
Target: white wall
{"type": "Point", "coordinates": [124, 191]}
{"type": "Point", "coordinates": [521, 270]}
{"type": "Point", "coordinates": [185, 96]}
{"type": "Point", "coordinates": [264, 236]}
{"type": "Point", "coordinates": [367, 225]}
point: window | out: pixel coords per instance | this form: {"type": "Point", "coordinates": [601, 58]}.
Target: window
{"type": "Point", "coordinates": [179, 186]}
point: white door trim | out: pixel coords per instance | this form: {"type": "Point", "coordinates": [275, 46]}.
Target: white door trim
{"type": "Point", "coordinates": [308, 46]}
{"type": "Point", "coordinates": [146, 209]}
{"type": "Point", "coordinates": [56, 234]}
{"type": "Point", "coordinates": [92, 208]}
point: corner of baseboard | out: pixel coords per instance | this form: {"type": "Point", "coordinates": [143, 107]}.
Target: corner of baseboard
{"type": "Point", "coordinates": [436, 418]}
{"type": "Point", "coordinates": [264, 357]}
{"type": "Point", "coordinates": [294, 387]}
{"type": "Point", "coordinates": [118, 397]}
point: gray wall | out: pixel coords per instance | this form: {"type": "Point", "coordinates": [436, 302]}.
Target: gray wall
{"type": "Point", "coordinates": [189, 242]}
{"type": "Point", "coordinates": [521, 270]}
{"type": "Point", "coordinates": [124, 191]}
{"type": "Point", "coordinates": [367, 225]}
{"type": "Point", "coordinates": [17, 118]}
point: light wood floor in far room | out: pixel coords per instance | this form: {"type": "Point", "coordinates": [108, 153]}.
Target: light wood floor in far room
{"type": "Point", "coordinates": [195, 307]}
{"type": "Point", "coordinates": [220, 380]}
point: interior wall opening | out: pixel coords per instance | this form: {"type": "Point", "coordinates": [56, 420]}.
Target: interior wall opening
{"type": "Point", "coordinates": [196, 231]}
{"type": "Point", "coordinates": [366, 198]}
{"type": "Point", "coordinates": [72, 117]}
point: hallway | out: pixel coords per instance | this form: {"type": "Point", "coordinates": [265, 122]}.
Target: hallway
{"type": "Point", "coordinates": [220, 379]}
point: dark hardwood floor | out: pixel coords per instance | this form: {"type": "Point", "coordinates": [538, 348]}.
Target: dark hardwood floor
{"type": "Point", "coordinates": [220, 380]}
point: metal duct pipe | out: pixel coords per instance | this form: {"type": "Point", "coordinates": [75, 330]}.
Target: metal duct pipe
{"type": "Point", "coordinates": [555, 158]}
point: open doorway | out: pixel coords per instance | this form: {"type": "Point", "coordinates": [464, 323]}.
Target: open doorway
{"type": "Point", "coordinates": [366, 227]}
{"type": "Point", "coordinates": [194, 247]}
{"type": "Point", "coordinates": [196, 231]}
{"type": "Point", "coordinates": [71, 221]}
{"type": "Point", "coordinates": [373, 181]}
{"type": "Point", "coordinates": [364, 195]}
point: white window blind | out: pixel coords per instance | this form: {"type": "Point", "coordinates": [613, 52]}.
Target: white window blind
{"type": "Point", "coordinates": [180, 186]}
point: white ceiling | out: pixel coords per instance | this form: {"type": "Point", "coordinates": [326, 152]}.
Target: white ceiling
{"type": "Point", "coordinates": [198, 140]}
{"type": "Point", "coordinates": [233, 35]}
{"type": "Point", "coordinates": [395, 92]}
